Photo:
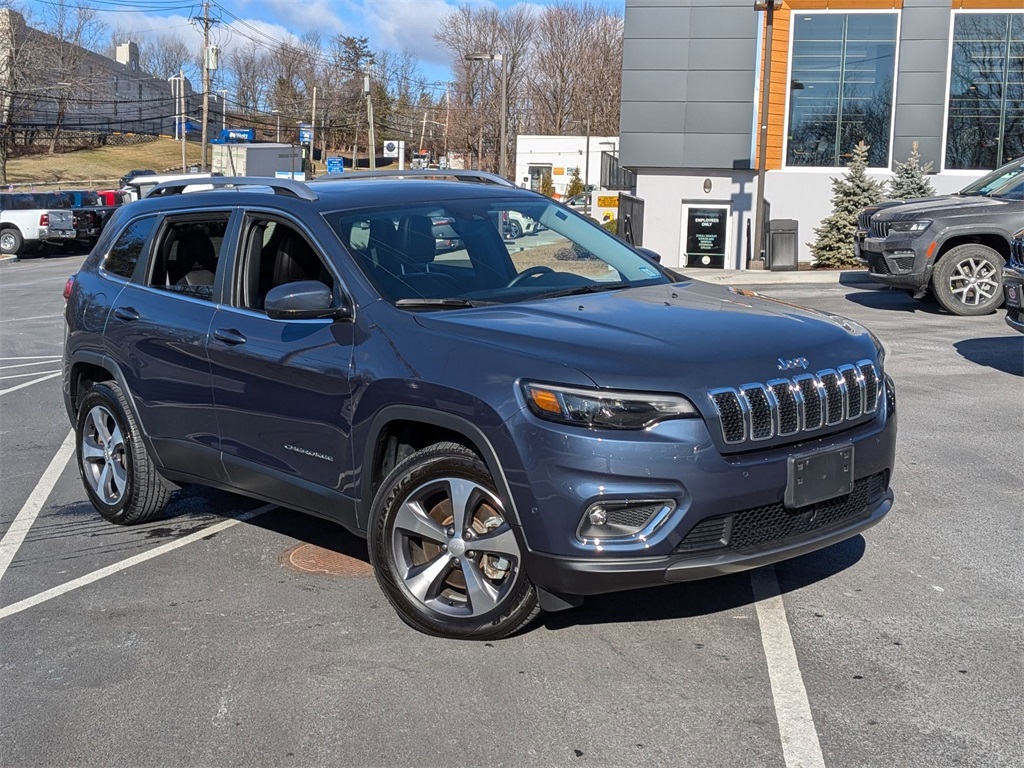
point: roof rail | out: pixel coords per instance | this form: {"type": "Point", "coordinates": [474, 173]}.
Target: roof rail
{"type": "Point", "coordinates": [480, 177]}
{"type": "Point", "coordinates": [287, 187]}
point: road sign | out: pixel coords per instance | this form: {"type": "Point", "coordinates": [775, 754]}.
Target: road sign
{"type": "Point", "coordinates": [335, 165]}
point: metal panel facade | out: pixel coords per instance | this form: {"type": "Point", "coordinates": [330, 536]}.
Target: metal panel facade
{"type": "Point", "coordinates": [697, 57]}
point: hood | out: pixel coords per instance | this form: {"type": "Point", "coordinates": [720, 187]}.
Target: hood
{"type": "Point", "coordinates": [684, 337]}
{"type": "Point", "coordinates": [945, 207]}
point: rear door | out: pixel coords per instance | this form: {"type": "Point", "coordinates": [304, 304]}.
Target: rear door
{"type": "Point", "coordinates": [157, 331]}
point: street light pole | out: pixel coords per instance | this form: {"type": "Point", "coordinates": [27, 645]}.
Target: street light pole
{"type": "Point", "coordinates": [278, 113]}
{"type": "Point", "coordinates": [502, 139]}
{"type": "Point", "coordinates": [223, 108]}
{"type": "Point", "coordinates": [769, 7]}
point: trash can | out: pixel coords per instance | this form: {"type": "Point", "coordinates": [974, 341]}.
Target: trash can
{"type": "Point", "coordinates": [783, 244]}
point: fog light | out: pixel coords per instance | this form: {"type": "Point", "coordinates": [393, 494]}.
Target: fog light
{"type": "Point", "coordinates": [623, 521]}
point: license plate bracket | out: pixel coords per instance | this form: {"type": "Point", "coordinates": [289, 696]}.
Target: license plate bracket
{"type": "Point", "coordinates": [818, 476]}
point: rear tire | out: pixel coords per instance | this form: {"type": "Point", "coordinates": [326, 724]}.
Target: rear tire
{"type": "Point", "coordinates": [119, 477]}
{"type": "Point", "coordinates": [443, 550]}
{"type": "Point", "coordinates": [11, 242]}
{"type": "Point", "coordinates": [515, 229]}
{"type": "Point", "coordinates": [968, 280]}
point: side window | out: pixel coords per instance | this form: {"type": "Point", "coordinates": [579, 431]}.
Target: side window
{"type": "Point", "coordinates": [276, 253]}
{"type": "Point", "coordinates": [126, 251]}
{"type": "Point", "coordinates": [186, 254]}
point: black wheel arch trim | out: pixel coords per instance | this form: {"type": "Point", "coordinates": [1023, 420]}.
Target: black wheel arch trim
{"type": "Point", "coordinates": [479, 439]}
{"type": "Point", "coordinates": [107, 363]}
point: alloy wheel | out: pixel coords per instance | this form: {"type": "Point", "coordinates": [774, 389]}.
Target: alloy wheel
{"type": "Point", "coordinates": [104, 460]}
{"type": "Point", "coordinates": [974, 281]}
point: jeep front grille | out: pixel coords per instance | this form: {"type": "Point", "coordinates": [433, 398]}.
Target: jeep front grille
{"type": "Point", "coordinates": [1017, 253]}
{"type": "Point", "coordinates": [784, 407]}
{"type": "Point", "coordinates": [879, 228]}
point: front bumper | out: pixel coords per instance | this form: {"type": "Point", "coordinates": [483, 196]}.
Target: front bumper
{"type": "Point", "coordinates": [901, 262]}
{"type": "Point", "coordinates": [583, 576]}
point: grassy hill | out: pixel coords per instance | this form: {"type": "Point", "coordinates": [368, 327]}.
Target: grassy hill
{"type": "Point", "coordinates": [99, 167]}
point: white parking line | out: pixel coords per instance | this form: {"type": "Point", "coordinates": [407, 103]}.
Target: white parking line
{"type": "Point", "coordinates": [12, 539]}
{"type": "Point", "coordinates": [27, 383]}
{"type": "Point", "coordinates": [800, 746]}
{"type": "Point", "coordinates": [40, 361]}
{"type": "Point", "coordinates": [32, 357]}
{"type": "Point", "coordinates": [110, 570]}
{"type": "Point", "coordinates": [23, 375]}
{"type": "Point", "coordinates": [23, 319]}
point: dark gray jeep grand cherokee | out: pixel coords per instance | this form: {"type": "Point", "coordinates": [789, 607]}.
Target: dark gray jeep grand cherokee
{"type": "Point", "coordinates": [953, 247]}
{"type": "Point", "coordinates": [511, 426]}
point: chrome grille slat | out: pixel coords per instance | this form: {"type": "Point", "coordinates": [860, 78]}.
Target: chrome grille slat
{"type": "Point", "coordinates": [783, 407]}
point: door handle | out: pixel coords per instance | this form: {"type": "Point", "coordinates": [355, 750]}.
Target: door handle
{"type": "Point", "coordinates": [126, 313]}
{"type": "Point", "coordinates": [229, 336]}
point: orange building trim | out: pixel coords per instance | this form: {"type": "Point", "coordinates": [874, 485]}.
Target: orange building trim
{"type": "Point", "coordinates": [778, 90]}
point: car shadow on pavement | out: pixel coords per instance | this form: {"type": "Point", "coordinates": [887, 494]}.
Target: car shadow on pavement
{"type": "Point", "coordinates": [708, 596]}
{"type": "Point", "coordinates": [896, 300]}
{"type": "Point", "coordinates": [1003, 353]}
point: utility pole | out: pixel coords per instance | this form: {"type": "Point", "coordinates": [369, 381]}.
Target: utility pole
{"type": "Point", "coordinates": [447, 118]}
{"type": "Point", "coordinates": [312, 132]}
{"type": "Point", "coordinates": [372, 148]}
{"type": "Point", "coordinates": [184, 119]}
{"type": "Point", "coordinates": [207, 22]}
{"type": "Point", "coordinates": [423, 131]}
{"type": "Point", "coordinates": [586, 173]}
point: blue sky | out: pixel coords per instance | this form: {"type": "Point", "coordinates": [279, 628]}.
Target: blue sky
{"type": "Point", "coordinates": [389, 24]}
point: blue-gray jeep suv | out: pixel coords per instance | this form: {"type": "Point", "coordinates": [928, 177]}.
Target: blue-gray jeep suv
{"type": "Point", "coordinates": [511, 425]}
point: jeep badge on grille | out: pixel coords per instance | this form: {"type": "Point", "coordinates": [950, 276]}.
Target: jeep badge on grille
{"type": "Point", "coordinates": [796, 362]}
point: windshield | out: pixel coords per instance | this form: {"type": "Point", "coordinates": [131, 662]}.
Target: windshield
{"type": "Point", "coordinates": [996, 179]}
{"type": "Point", "coordinates": [1013, 190]}
{"type": "Point", "coordinates": [480, 251]}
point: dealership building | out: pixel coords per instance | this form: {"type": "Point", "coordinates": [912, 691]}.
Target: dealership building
{"type": "Point", "coordinates": [946, 75]}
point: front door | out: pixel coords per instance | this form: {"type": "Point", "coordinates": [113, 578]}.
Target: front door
{"type": "Point", "coordinates": [282, 386]}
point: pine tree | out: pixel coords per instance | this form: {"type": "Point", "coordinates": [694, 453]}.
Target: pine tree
{"type": "Point", "coordinates": [547, 187]}
{"type": "Point", "coordinates": [575, 183]}
{"type": "Point", "coordinates": [851, 193]}
{"type": "Point", "coordinates": [910, 179]}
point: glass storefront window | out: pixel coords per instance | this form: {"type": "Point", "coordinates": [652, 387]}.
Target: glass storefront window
{"type": "Point", "coordinates": [841, 88]}
{"type": "Point", "coordinates": [986, 90]}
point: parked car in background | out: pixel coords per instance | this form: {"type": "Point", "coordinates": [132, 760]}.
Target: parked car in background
{"type": "Point", "coordinates": [510, 432]}
{"type": "Point", "coordinates": [27, 226]}
{"type": "Point", "coordinates": [519, 225]}
{"type": "Point", "coordinates": [135, 174]}
{"type": "Point", "coordinates": [954, 247]}
{"type": "Point", "coordinates": [983, 186]}
{"type": "Point", "coordinates": [1013, 283]}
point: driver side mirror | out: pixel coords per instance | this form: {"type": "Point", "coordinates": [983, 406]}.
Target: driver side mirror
{"type": "Point", "coordinates": [652, 255]}
{"type": "Point", "coordinates": [303, 300]}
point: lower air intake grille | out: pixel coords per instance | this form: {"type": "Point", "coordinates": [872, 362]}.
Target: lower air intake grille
{"type": "Point", "coordinates": [878, 265]}
{"type": "Point", "coordinates": [774, 523]}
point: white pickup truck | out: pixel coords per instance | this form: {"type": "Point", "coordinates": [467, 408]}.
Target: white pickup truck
{"type": "Point", "coordinates": [27, 228]}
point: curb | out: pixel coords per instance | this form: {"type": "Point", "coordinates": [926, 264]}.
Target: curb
{"type": "Point", "coordinates": [8, 258]}
{"type": "Point", "coordinates": [764, 277]}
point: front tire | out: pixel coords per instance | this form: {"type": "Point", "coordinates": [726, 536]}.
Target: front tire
{"type": "Point", "coordinates": [968, 280]}
{"type": "Point", "coordinates": [515, 229]}
{"type": "Point", "coordinates": [443, 550]}
{"type": "Point", "coordinates": [118, 475]}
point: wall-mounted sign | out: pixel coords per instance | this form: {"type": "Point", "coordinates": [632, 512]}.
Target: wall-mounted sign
{"type": "Point", "coordinates": [558, 172]}
{"type": "Point", "coordinates": [706, 232]}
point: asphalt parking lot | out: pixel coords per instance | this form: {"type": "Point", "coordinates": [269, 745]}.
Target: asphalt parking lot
{"type": "Point", "coordinates": [195, 640]}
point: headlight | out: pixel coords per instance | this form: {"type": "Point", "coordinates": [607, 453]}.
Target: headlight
{"type": "Point", "coordinates": [605, 409]}
{"type": "Point", "coordinates": [910, 227]}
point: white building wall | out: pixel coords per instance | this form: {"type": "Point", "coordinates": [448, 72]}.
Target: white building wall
{"type": "Point", "coordinates": [562, 153]}
{"type": "Point", "coordinates": [804, 195]}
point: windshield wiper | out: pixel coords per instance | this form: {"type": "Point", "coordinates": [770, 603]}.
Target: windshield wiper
{"type": "Point", "coordinates": [581, 289]}
{"type": "Point", "coordinates": [452, 303]}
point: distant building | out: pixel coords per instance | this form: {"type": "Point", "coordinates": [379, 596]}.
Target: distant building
{"type": "Point", "coordinates": [944, 73]}
{"type": "Point", "coordinates": [557, 156]}
{"type": "Point", "coordinates": [101, 94]}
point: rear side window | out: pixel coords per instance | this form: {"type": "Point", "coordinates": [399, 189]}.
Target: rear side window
{"type": "Point", "coordinates": [186, 255]}
{"type": "Point", "coordinates": [125, 254]}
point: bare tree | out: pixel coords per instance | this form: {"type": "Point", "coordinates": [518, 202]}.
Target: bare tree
{"type": "Point", "coordinates": [71, 30]}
